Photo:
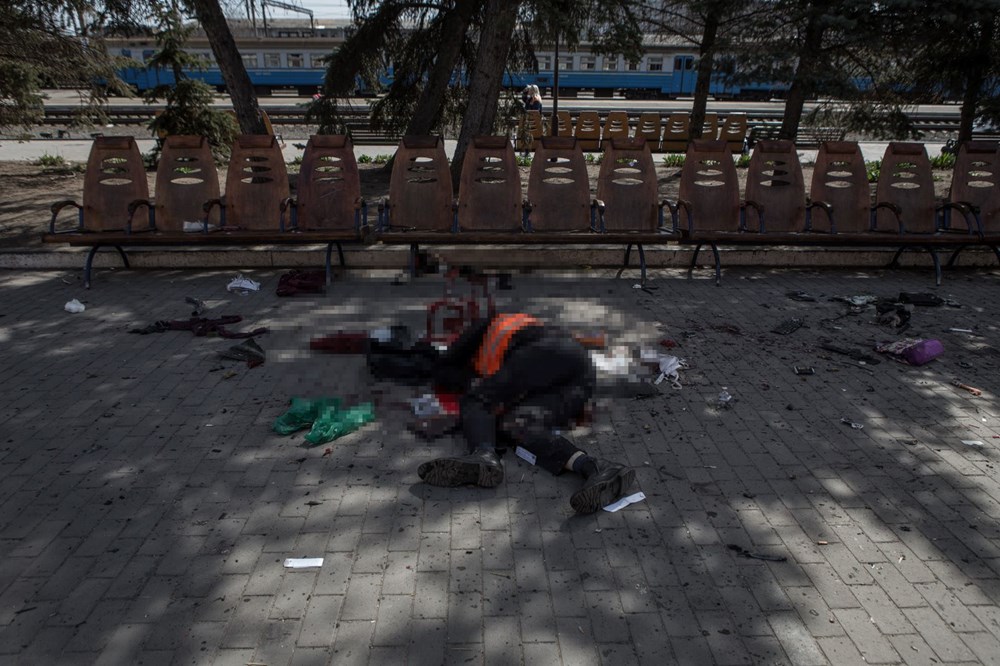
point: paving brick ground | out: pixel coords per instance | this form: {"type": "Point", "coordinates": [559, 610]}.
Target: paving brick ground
{"type": "Point", "coordinates": [146, 507]}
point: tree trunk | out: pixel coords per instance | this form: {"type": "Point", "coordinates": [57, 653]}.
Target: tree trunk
{"type": "Point", "coordinates": [974, 78]}
{"type": "Point", "coordinates": [705, 63]}
{"type": "Point", "coordinates": [428, 108]}
{"type": "Point", "coordinates": [804, 81]}
{"type": "Point", "coordinates": [235, 75]}
{"type": "Point", "coordinates": [484, 89]}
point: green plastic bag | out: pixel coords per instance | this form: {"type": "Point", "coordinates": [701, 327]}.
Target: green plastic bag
{"type": "Point", "coordinates": [302, 413]}
{"type": "Point", "coordinates": [334, 422]}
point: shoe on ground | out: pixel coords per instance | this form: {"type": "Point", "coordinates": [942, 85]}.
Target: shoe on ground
{"type": "Point", "coordinates": [602, 489]}
{"type": "Point", "coordinates": [481, 468]}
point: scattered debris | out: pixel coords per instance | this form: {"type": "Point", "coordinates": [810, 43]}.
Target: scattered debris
{"type": "Point", "coordinates": [787, 326]}
{"type": "Point", "coordinates": [973, 442]}
{"type": "Point", "coordinates": [913, 351]}
{"type": "Point", "coordinates": [803, 296]}
{"type": "Point", "coordinates": [754, 555]}
{"type": "Point", "coordinates": [242, 285]}
{"type": "Point", "coordinates": [965, 387]}
{"type": "Point", "coordinates": [855, 425]}
{"type": "Point", "coordinates": [74, 307]}
{"type": "Point", "coordinates": [303, 562]}
{"type": "Point", "coordinates": [199, 306]}
{"type": "Point", "coordinates": [248, 351]}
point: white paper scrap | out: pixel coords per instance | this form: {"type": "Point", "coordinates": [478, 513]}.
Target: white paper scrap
{"type": "Point", "coordinates": [972, 442]}
{"type": "Point", "coordinates": [625, 501]}
{"type": "Point", "coordinates": [525, 455]}
{"type": "Point", "coordinates": [303, 562]}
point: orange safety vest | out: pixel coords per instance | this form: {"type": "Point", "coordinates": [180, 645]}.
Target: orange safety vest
{"type": "Point", "coordinates": [497, 340]}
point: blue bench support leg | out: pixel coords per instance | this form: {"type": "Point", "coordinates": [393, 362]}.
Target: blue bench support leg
{"type": "Point", "coordinates": [934, 258]}
{"type": "Point", "coordinates": [954, 255]}
{"type": "Point", "coordinates": [628, 255]}
{"type": "Point", "coordinates": [996, 251]}
{"type": "Point", "coordinates": [329, 254]}
{"type": "Point", "coordinates": [413, 259]}
{"type": "Point", "coordinates": [642, 265]}
{"type": "Point", "coordinates": [718, 265]}
{"type": "Point", "coordinates": [718, 262]}
{"type": "Point", "coordinates": [90, 262]}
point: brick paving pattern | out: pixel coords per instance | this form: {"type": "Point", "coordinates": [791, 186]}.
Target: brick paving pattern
{"type": "Point", "coordinates": [146, 507]}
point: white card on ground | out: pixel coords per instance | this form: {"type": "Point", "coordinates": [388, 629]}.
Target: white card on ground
{"type": "Point", "coordinates": [625, 501]}
{"type": "Point", "coordinates": [525, 455]}
{"type": "Point", "coordinates": [303, 562]}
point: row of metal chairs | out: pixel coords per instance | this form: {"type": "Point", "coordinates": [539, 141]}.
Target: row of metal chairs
{"type": "Point", "coordinates": [670, 135]}
{"type": "Point", "coordinates": [559, 207]}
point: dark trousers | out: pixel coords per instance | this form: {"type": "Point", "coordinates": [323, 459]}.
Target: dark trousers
{"type": "Point", "coordinates": [541, 386]}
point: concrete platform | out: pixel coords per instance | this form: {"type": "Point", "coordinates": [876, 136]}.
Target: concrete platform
{"type": "Point", "coordinates": [146, 507]}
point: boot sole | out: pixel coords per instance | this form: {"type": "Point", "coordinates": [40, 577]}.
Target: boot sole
{"type": "Point", "coordinates": [600, 495]}
{"type": "Point", "coordinates": [450, 472]}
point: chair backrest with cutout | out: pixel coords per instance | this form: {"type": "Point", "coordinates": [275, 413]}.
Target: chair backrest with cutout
{"type": "Point", "coordinates": [489, 195]}
{"type": "Point", "coordinates": [256, 183]}
{"type": "Point", "coordinates": [558, 186]}
{"type": "Point", "coordinates": [840, 179]}
{"type": "Point", "coordinates": [420, 192]}
{"type": "Point", "coordinates": [115, 178]}
{"type": "Point", "coordinates": [775, 181]}
{"type": "Point", "coordinates": [185, 179]}
{"type": "Point", "coordinates": [627, 186]}
{"type": "Point", "coordinates": [329, 185]}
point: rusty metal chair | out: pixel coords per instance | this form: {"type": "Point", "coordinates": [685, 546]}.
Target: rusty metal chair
{"type": "Point", "coordinates": [975, 182]}
{"type": "Point", "coordinates": [709, 198]}
{"type": "Point", "coordinates": [564, 123]}
{"type": "Point", "coordinates": [530, 129]}
{"type": "Point", "coordinates": [840, 178]}
{"type": "Point", "coordinates": [115, 177]}
{"type": "Point", "coordinates": [615, 127]}
{"type": "Point", "coordinates": [676, 133]}
{"type": "Point", "coordinates": [328, 202]}
{"type": "Point", "coordinates": [734, 131]}
{"type": "Point", "coordinates": [420, 194]}
{"type": "Point", "coordinates": [776, 187]}
{"type": "Point", "coordinates": [186, 178]}
{"type": "Point", "coordinates": [650, 128]}
{"type": "Point", "coordinates": [588, 130]}
{"type": "Point", "coordinates": [559, 188]}
{"type": "Point", "coordinates": [627, 205]}
{"type": "Point", "coordinates": [489, 195]}
{"type": "Point", "coordinates": [256, 184]}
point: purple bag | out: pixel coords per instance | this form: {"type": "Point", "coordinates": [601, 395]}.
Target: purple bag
{"type": "Point", "coordinates": [922, 352]}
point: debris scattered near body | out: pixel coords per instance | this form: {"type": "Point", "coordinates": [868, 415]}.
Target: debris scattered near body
{"type": "Point", "coordinates": [788, 326]}
{"type": "Point", "coordinates": [248, 351]}
{"type": "Point", "coordinates": [242, 285]}
{"type": "Point", "coordinates": [736, 548]}
{"type": "Point", "coordinates": [74, 307]}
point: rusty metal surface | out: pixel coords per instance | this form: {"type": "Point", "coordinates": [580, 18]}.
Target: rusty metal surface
{"type": "Point", "coordinates": [976, 180]}
{"type": "Point", "coordinates": [841, 180]}
{"type": "Point", "coordinates": [627, 186]}
{"type": "Point", "coordinates": [185, 179]}
{"type": "Point", "coordinates": [256, 182]}
{"type": "Point", "coordinates": [115, 178]}
{"type": "Point", "coordinates": [774, 180]}
{"type": "Point", "coordinates": [489, 196]}
{"type": "Point", "coordinates": [905, 180]}
{"type": "Point", "coordinates": [558, 187]}
{"type": "Point", "coordinates": [420, 192]}
{"type": "Point", "coordinates": [329, 186]}
{"type": "Point", "coordinates": [709, 184]}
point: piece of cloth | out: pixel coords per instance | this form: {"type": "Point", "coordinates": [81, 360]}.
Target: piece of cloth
{"type": "Point", "coordinates": [301, 282]}
{"type": "Point", "coordinates": [201, 326]}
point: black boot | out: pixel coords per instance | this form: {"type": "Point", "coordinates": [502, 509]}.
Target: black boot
{"type": "Point", "coordinates": [601, 489]}
{"type": "Point", "coordinates": [482, 468]}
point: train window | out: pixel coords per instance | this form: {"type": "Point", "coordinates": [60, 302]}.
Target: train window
{"type": "Point", "coordinates": [654, 65]}
{"type": "Point", "coordinates": [250, 60]}
{"type": "Point", "coordinates": [632, 66]}
{"type": "Point", "coordinates": [316, 60]}
{"type": "Point", "coordinates": [127, 53]}
{"type": "Point", "coordinates": [296, 60]}
{"type": "Point", "coordinates": [272, 60]}
{"type": "Point", "coordinates": [588, 62]}
{"type": "Point", "coordinates": [544, 62]}
{"type": "Point", "coordinates": [610, 64]}
{"type": "Point", "coordinates": [566, 63]}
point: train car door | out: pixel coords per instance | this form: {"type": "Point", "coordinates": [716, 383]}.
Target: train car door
{"type": "Point", "coordinates": [684, 75]}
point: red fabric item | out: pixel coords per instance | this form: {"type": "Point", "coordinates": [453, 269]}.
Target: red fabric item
{"type": "Point", "coordinates": [448, 402]}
